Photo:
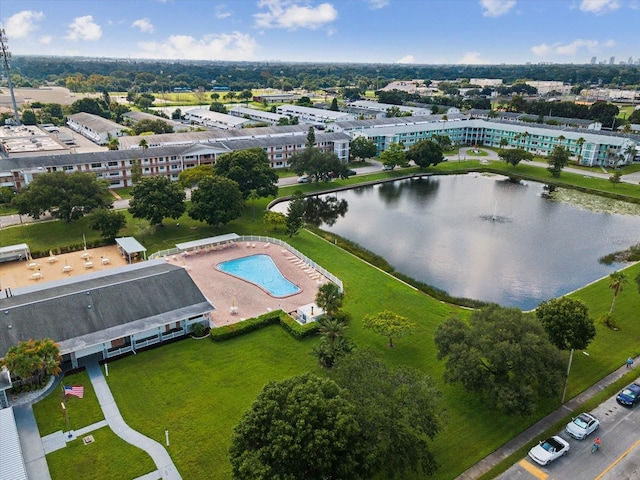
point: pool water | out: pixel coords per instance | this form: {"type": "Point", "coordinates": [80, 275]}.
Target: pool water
{"type": "Point", "coordinates": [261, 271]}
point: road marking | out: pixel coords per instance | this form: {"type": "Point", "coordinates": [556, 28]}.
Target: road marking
{"type": "Point", "coordinates": [618, 460]}
{"type": "Point", "coordinates": [533, 470]}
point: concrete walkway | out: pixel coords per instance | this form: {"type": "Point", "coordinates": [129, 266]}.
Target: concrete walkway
{"type": "Point", "coordinates": [166, 468]}
{"type": "Point", "coordinates": [547, 422]}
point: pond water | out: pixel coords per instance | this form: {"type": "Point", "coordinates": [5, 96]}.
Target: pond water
{"type": "Point", "coordinates": [484, 237]}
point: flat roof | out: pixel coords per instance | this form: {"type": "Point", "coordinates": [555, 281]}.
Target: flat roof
{"type": "Point", "coordinates": [19, 247]}
{"type": "Point", "coordinates": [203, 242]}
{"type": "Point", "coordinates": [130, 245]}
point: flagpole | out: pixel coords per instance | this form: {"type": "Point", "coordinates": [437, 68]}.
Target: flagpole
{"type": "Point", "coordinates": [66, 417]}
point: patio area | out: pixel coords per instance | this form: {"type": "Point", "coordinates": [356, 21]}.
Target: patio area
{"type": "Point", "coordinates": [17, 274]}
{"type": "Point", "coordinates": [230, 294]}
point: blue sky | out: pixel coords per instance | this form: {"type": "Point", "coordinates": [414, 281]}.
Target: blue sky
{"type": "Point", "coordinates": [372, 31]}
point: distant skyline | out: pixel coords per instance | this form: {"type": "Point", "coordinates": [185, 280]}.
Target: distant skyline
{"type": "Point", "coordinates": [363, 31]}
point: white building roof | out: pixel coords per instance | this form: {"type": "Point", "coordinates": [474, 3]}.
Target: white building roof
{"type": "Point", "coordinates": [316, 112]}
{"type": "Point", "coordinates": [11, 460]}
{"type": "Point", "coordinates": [208, 117]}
{"type": "Point", "coordinates": [95, 122]}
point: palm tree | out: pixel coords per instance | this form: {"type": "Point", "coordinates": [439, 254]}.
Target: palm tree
{"type": "Point", "coordinates": [253, 196]}
{"type": "Point", "coordinates": [329, 298]}
{"type": "Point", "coordinates": [580, 142]}
{"type": "Point", "coordinates": [143, 144]}
{"type": "Point", "coordinates": [561, 138]}
{"type": "Point", "coordinates": [503, 142]}
{"type": "Point", "coordinates": [524, 137]}
{"type": "Point", "coordinates": [630, 152]}
{"type": "Point", "coordinates": [616, 283]}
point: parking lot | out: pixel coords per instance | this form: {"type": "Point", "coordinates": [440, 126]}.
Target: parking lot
{"type": "Point", "coordinates": [617, 458]}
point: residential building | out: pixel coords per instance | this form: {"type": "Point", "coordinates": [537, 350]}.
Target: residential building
{"type": "Point", "coordinates": [313, 116]}
{"type": "Point", "coordinates": [101, 313]}
{"type": "Point", "coordinates": [97, 129]}
{"type": "Point", "coordinates": [384, 107]}
{"type": "Point", "coordinates": [207, 118]}
{"type": "Point", "coordinates": [260, 116]}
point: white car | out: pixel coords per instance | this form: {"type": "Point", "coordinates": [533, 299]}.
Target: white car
{"type": "Point", "coordinates": [548, 450]}
{"type": "Point", "coordinates": [582, 426]}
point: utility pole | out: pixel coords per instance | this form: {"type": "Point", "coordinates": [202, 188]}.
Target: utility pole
{"type": "Point", "coordinates": [6, 55]}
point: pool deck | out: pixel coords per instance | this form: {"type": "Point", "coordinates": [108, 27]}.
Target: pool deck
{"type": "Point", "coordinates": [225, 291]}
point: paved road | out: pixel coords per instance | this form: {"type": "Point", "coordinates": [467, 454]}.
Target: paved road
{"type": "Point", "coordinates": [617, 458]}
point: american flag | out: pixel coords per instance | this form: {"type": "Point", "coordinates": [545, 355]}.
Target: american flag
{"type": "Point", "coordinates": [77, 390]}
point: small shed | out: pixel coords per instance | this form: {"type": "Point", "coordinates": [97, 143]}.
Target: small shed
{"type": "Point", "coordinates": [11, 253]}
{"type": "Point", "coordinates": [130, 248]}
{"type": "Point", "coordinates": [309, 313]}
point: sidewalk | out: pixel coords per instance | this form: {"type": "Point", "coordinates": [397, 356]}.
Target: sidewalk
{"type": "Point", "coordinates": [537, 429]}
{"type": "Point", "coordinates": [166, 469]}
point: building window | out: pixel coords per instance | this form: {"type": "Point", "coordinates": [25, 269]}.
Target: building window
{"type": "Point", "coordinates": [113, 164]}
{"type": "Point", "coordinates": [96, 165]}
{"type": "Point", "coordinates": [68, 168]}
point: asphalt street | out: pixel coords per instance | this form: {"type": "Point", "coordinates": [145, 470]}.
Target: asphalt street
{"type": "Point", "coordinates": [617, 458]}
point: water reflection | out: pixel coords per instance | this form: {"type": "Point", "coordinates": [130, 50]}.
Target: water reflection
{"type": "Point", "coordinates": [324, 210]}
{"type": "Point", "coordinates": [440, 230]}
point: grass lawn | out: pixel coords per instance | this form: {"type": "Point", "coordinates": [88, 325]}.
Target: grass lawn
{"type": "Point", "coordinates": [108, 458]}
{"type": "Point", "coordinates": [198, 389]}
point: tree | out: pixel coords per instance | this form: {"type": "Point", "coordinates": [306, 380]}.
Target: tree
{"type": "Point", "coordinates": [567, 323]}
{"type": "Point", "coordinates": [295, 214]}
{"type": "Point", "coordinates": [6, 195]}
{"type": "Point", "coordinates": [108, 222]}
{"type": "Point", "coordinates": [155, 198]}
{"type": "Point", "coordinates": [557, 160]}
{"type": "Point", "coordinates": [245, 95]}
{"type": "Point", "coordinates": [66, 196]}
{"type": "Point", "coordinates": [250, 169]}
{"type": "Point", "coordinates": [89, 105]}
{"type": "Point", "coordinates": [443, 140]}
{"type": "Point", "coordinates": [388, 324]}
{"type": "Point", "coordinates": [616, 178]}
{"type": "Point", "coordinates": [334, 105]}
{"type": "Point", "coordinates": [218, 107]}
{"type": "Point", "coordinates": [33, 360]}
{"type": "Point", "coordinates": [29, 117]}
{"type": "Point", "coordinates": [136, 171]}
{"type": "Point", "coordinates": [144, 100]}
{"type": "Point", "coordinates": [361, 148]}
{"type": "Point", "coordinates": [333, 341]}
{"type": "Point", "coordinates": [301, 427]}
{"type": "Point", "coordinates": [580, 142]}
{"type": "Point", "coordinates": [156, 126]}
{"type": "Point", "coordinates": [191, 177]}
{"type": "Point", "coordinates": [514, 156]}
{"type": "Point", "coordinates": [503, 143]}
{"type": "Point", "coordinates": [217, 201]}
{"type": "Point", "coordinates": [398, 410]}
{"type": "Point", "coordinates": [425, 153]}
{"type": "Point", "coordinates": [394, 155]}
{"type": "Point", "coordinates": [275, 219]}
{"type": "Point", "coordinates": [329, 298]}
{"type": "Point", "coordinates": [617, 281]}
{"type": "Point", "coordinates": [501, 355]}
{"type": "Point", "coordinates": [311, 138]}
{"type": "Point", "coordinates": [113, 143]}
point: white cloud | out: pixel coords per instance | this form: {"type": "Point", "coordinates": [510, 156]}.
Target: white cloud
{"type": "Point", "coordinates": [84, 28]}
{"type": "Point", "coordinates": [570, 48]}
{"type": "Point", "coordinates": [599, 6]}
{"type": "Point", "coordinates": [377, 4]}
{"type": "Point", "coordinates": [22, 23]}
{"type": "Point", "coordinates": [472, 58]}
{"type": "Point", "coordinates": [144, 25]}
{"type": "Point", "coordinates": [290, 15]}
{"type": "Point", "coordinates": [496, 8]}
{"type": "Point", "coordinates": [234, 46]}
{"type": "Point", "coordinates": [222, 11]}
{"type": "Point", "coordinates": [407, 59]}
{"type": "Point", "coordinates": [46, 40]}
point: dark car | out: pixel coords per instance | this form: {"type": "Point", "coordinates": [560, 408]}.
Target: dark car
{"type": "Point", "coordinates": [629, 396]}
{"type": "Point", "coordinates": [351, 172]}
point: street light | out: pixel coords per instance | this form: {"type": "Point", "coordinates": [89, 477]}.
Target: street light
{"type": "Point", "coordinates": [566, 382]}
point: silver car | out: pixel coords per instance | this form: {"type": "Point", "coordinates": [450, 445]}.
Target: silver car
{"type": "Point", "coordinates": [582, 426]}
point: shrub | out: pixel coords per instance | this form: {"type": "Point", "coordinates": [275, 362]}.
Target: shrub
{"type": "Point", "coordinates": [296, 330]}
{"type": "Point", "coordinates": [608, 320]}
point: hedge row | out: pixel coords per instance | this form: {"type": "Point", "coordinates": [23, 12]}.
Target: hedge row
{"type": "Point", "coordinates": [74, 247]}
{"type": "Point", "coordinates": [296, 330]}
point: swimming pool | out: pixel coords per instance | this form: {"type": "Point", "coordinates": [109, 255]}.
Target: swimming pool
{"type": "Point", "coordinates": [261, 271]}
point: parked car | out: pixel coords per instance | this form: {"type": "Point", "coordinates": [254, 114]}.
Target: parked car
{"type": "Point", "coordinates": [304, 179]}
{"type": "Point", "coordinates": [351, 172]}
{"type": "Point", "coordinates": [582, 426]}
{"type": "Point", "coordinates": [387, 167]}
{"type": "Point", "coordinates": [549, 450]}
{"type": "Point", "coordinates": [629, 396]}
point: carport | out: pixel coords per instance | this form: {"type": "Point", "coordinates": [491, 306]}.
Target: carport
{"type": "Point", "coordinates": [10, 253]}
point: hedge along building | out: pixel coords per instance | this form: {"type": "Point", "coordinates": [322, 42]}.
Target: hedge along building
{"type": "Point", "coordinates": [107, 313]}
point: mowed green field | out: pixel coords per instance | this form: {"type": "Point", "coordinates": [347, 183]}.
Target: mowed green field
{"type": "Point", "coordinates": [198, 390]}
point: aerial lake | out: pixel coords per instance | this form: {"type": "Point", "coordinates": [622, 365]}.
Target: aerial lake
{"type": "Point", "coordinates": [484, 237]}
